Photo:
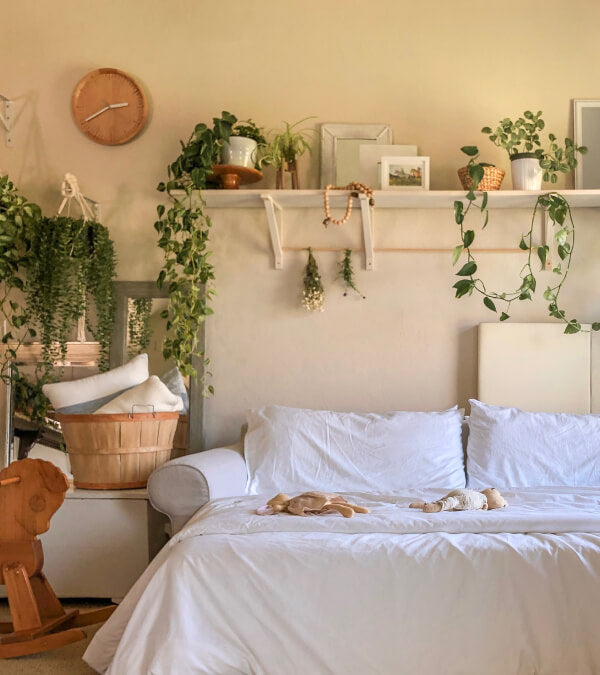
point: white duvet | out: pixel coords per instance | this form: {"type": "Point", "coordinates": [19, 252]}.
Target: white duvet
{"type": "Point", "coordinates": [512, 591]}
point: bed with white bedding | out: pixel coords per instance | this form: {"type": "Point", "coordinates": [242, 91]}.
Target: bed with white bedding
{"type": "Point", "coordinates": [392, 592]}
{"type": "Point", "coordinates": [395, 591]}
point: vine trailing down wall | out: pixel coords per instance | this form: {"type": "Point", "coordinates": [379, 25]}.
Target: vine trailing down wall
{"type": "Point", "coordinates": [560, 215]}
{"type": "Point", "coordinates": [53, 271]}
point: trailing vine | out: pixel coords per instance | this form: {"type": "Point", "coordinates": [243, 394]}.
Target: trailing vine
{"type": "Point", "coordinates": [50, 269]}
{"type": "Point", "coordinates": [183, 230]}
{"type": "Point", "coordinates": [138, 325]}
{"type": "Point", "coordinates": [346, 273]}
{"type": "Point", "coordinates": [559, 213]}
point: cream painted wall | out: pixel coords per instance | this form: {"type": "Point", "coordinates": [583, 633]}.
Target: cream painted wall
{"type": "Point", "coordinates": [436, 72]}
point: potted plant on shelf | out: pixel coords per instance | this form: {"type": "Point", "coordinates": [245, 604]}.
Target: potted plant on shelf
{"type": "Point", "coordinates": [488, 177]}
{"type": "Point", "coordinates": [284, 149]}
{"type": "Point", "coordinates": [244, 145]}
{"type": "Point", "coordinates": [530, 163]}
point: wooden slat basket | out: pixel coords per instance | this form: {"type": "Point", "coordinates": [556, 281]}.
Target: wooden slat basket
{"type": "Point", "coordinates": [117, 452]}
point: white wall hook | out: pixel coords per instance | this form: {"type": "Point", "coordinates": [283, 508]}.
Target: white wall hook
{"type": "Point", "coordinates": [7, 119]}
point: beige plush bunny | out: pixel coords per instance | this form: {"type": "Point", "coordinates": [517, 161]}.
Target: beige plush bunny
{"type": "Point", "coordinates": [310, 504]}
{"type": "Point", "coordinates": [464, 500]}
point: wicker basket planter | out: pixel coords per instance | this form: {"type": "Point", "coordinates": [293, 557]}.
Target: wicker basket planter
{"type": "Point", "coordinates": [116, 452]}
{"type": "Point", "coordinates": [492, 178]}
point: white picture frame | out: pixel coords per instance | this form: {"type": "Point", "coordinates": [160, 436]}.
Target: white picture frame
{"type": "Point", "coordinates": [586, 131]}
{"type": "Point", "coordinates": [370, 161]}
{"type": "Point", "coordinates": [404, 173]}
{"type": "Point", "coordinates": [333, 139]}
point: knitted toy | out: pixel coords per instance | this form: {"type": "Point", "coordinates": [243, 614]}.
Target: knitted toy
{"type": "Point", "coordinates": [464, 500]}
{"type": "Point", "coordinates": [310, 504]}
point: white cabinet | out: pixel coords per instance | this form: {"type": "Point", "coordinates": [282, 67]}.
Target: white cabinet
{"type": "Point", "coordinates": [100, 541]}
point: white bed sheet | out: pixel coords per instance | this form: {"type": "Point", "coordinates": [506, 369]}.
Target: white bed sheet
{"type": "Point", "coordinates": [509, 591]}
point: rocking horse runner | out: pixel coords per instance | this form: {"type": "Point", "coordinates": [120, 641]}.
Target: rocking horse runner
{"type": "Point", "coordinates": [31, 490]}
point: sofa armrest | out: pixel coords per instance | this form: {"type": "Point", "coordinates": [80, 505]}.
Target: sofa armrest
{"type": "Point", "coordinates": [183, 485]}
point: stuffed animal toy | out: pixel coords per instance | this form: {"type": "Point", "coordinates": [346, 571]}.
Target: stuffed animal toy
{"type": "Point", "coordinates": [310, 504]}
{"type": "Point", "coordinates": [464, 500]}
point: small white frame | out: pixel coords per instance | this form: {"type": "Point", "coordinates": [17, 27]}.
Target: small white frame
{"type": "Point", "coordinates": [417, 168]}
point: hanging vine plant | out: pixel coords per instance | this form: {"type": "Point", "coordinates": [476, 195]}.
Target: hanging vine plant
{"type": "Point", "coordinates": [138, 325]}
{"type": "Point", "coordinates": [561, 217]}
{"type": "Point", "coordinates": [183, 230]}
{"type": "Point", "coordinates": [52, 272]}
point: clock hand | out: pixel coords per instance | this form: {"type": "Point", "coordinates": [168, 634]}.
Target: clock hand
{"type": "Point", "coordinates": [118, 105]}
{"type": "Point", "coordinates": [99, 112]}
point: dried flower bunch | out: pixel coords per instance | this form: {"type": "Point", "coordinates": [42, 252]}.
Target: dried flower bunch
{"type": "Point", "coordinates": [313, 296]}
{"type": "Point", "coordinates": [346, 273]}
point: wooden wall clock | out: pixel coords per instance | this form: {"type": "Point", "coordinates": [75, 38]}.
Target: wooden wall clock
{"type": "Point", "coordinates": [109, 106]}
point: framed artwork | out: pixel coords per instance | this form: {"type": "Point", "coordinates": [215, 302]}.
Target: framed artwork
{"type": "Point", "coordinates": [586, 131]}
{"type": "Point", "coordinates": [370, 161]}
{"type": "Point", "coordinates": [340, 148]}
{"type": "Point", "coordinates": [404, 173]}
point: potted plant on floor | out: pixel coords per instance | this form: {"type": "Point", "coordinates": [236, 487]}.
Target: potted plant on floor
{"type": "Point", "coordinates": [284, 149]}
{"type": "Point", "coordinates": [530, 162]}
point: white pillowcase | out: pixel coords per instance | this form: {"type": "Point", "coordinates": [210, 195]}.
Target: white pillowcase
{"type": "Point", "coordinates": [150, 396]}
{"type": "Point", "coordinates": [509, 447]}
{"type": "Point", "coordinates": [65, 394]}
{"type": "Point", "coordinates": [293, 450]}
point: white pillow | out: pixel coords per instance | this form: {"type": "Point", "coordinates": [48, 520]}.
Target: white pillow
{"type": "Point", "coordinates": [66, 394]}
{"type": "Point", "coordinates": [292, 450]}
{"type": "Point", "coordinates": [150, 396]}
{"type": "Point", "coordinates": [509, 447]}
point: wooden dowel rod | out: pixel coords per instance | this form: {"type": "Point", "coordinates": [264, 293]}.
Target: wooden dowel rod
{"type": "Point", "coordinates": [10, 481]}
{"type": "Point", "coordinates": [402, 250]}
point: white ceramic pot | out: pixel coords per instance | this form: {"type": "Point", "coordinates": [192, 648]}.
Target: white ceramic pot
{"type": "Point", "coordinates": [526, 171]}
{"type": "Point", "coordinates": [240, 151]}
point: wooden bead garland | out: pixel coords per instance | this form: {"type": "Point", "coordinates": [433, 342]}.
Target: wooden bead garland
{"type": "Point", "coordinates": [355, 189]}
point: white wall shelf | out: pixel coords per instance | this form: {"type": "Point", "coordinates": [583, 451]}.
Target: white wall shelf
{"type": "Point", "coordinates": [275, 201]}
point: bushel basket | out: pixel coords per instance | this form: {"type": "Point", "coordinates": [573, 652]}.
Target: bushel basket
{"type": "Point", "coordinates": [116, 452]}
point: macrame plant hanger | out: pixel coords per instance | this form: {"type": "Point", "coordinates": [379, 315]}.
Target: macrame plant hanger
{"type": "Point", "coordinates": [70, 192]}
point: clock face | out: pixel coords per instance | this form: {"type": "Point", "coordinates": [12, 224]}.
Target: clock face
{"type": "Point", "coordinates": [109, 106]}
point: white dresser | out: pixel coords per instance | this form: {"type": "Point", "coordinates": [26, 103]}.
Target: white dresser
{"type": "Point", "coordinates": [100, 541]}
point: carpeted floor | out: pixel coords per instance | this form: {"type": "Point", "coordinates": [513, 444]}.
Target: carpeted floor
{"type": "Point", "coordinates": [65, 660]}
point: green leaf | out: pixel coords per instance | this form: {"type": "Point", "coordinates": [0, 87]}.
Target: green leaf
{"type": "Point", "coordinates": [523, 245]}
{"type": "Point", "coordinates": [596, 326]}
{"type": "Point", "coordinates": [573, 327]}
{"type": "Point", "coordinates": [504, 316]}
{"type": "Point", "coordinates": [468, 238]}
{"type": "Point", "coordinates": [456, 254]}
{"type": "Point", "coordinates": [470, 150]}
{"type": "Point", "coordinates": [542, 252]}
{"type": "Point", "coordinates": [489, 304]}
{"type": "Point", "coordinates": [484, 201]}
{"type": "Point", "coordinates": [468, 269]}
{"type": "Point", "coordinates": [463, 287]}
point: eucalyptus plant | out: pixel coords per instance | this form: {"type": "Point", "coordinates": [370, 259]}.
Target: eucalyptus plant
{"type": "Point", "coordinates": [559, 213]}
{"type": "Point", "coordinates": [183, 230]}
{"type": "Point", "coordinates": [522, 136]}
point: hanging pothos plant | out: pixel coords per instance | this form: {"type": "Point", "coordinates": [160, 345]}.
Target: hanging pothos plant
{"type": "Point", "coordinates": [183, 230]}
{"type": "Point", "coordinates": [138, 325]}
{"type": "Point", "coordinates": [559, 213]}
{"type": "Point", "coordinates": [52, 272]}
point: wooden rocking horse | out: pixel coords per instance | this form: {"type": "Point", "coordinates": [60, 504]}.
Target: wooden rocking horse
{"type": "Point", "coordinates": [31, 490]}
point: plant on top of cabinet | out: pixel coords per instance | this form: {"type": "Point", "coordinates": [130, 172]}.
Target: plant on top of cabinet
{"type": "Point", "coordinates": [184, 230]}
{"type": "Point", "coordinates": [559, 214]}
{"type": "Point", "coordinates": [530, 162]}
{"type": "Point", "coordinates": [284, 149]}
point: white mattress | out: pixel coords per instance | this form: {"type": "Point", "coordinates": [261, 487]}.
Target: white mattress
{"type": "Point", "coordinates": [396, 591]}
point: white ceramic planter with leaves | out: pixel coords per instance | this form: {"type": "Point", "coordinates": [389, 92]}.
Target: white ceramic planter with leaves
{"type": "Point", "coordinates": [240, 151]}
{"type": "Point", "coordinates": [526, 171]}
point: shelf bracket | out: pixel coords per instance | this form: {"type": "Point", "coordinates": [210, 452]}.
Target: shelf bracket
{"type": "Point", "coordinates": [367, 224]}
{"type": "Point", "coordinates": [7, 119]}
{"type": "Point", "coordinates": [275, 228]}
{"type": "Point", "coordinates": [547, 239]}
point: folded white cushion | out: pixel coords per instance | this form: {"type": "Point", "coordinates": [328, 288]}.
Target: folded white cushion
{"type": "Point", "coordinates": [509, 447]}
{"type": "Point", "coordinates": [88, 389]}
{"type": "Point", "coordinates": [291, 450]}
{"type": "Point", "coordinates": [150, 396]}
